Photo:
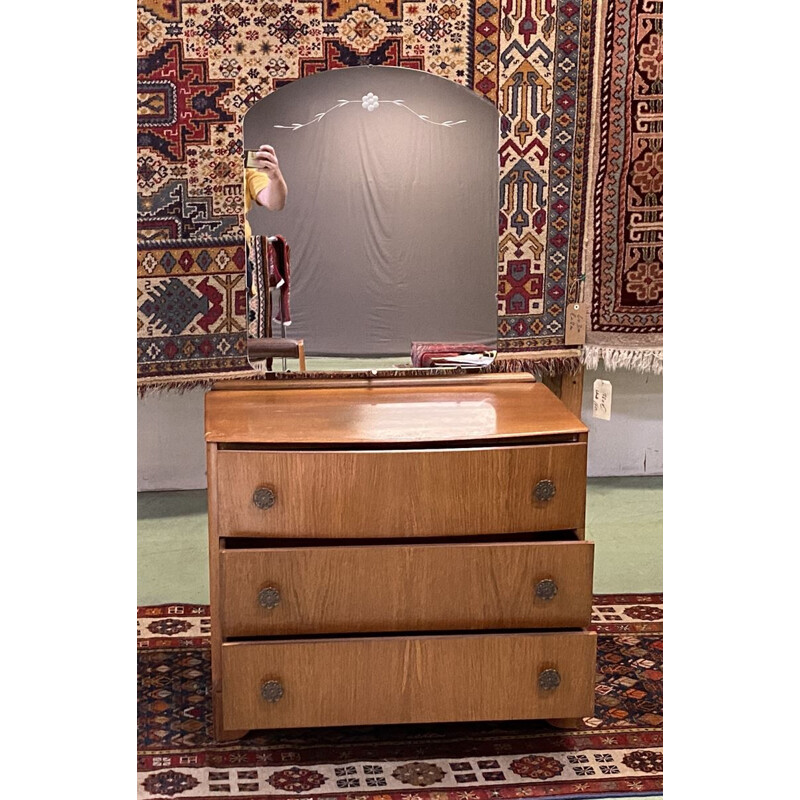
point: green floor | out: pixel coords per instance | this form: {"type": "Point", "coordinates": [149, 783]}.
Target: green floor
{"type": "Point", "coordinates": [623, 519]}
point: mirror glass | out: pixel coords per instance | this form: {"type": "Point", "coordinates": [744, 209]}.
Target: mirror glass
{"type": "Point", "coordinates": [384, 255]}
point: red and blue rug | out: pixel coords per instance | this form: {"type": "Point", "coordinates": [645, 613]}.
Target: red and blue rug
{"type": "Point", "coordinates": [615, 753]}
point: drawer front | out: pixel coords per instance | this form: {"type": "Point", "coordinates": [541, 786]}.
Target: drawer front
{"type": "Point", "coordinates": [400, 493]}
{"type": "Point", "coordinates": [371, 681]}
{"type": "Point", "coordinates": [430, 587]}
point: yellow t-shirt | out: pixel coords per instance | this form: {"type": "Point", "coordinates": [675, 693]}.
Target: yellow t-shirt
{"type": "Point", "coordinates": [254, 182]}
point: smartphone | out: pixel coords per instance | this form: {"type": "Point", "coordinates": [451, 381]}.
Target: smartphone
{"type": "Point", "coordinates": [249, 159]}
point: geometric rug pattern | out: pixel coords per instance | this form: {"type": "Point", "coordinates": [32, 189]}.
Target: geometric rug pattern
{"type": "Point", "coordinates": [615, 752]}
{"type": "Point", "coordinates": [626, 270]}
{"type": "Point", "coordinates": [202, 64]}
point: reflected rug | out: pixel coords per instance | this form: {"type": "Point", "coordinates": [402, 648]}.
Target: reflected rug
{"type": "Point", "coordinates": [625, 281]}
{"type": "Point", "coordinates": [615, 753]}
{"type": "Point", "coordinates": [202, 64]}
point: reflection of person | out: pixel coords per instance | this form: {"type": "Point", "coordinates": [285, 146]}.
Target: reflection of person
{"type": "Point", "coordinates": [264, 185]}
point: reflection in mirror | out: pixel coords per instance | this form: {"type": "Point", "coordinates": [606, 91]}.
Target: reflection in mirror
{"type": "Point", "coordinates": [388, 420]}
{"type": "Point", "coordinates": [385, 253]}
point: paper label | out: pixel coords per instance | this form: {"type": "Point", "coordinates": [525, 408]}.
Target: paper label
{"type": "Point", "coordinates": [575, 327]}
{"type": "Point", "coordinates": [601, 399]}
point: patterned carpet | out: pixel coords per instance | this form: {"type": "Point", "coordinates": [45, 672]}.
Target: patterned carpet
{"type": "Point", "coordinates": [616, 753]}
{"type": "Point", "coordinates": [202, 64]}
{"type": "Point", "coordinates": [626, 279]}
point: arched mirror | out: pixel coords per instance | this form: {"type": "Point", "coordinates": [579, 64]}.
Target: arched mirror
{"type": "Point", "coordinates": [385, 253]}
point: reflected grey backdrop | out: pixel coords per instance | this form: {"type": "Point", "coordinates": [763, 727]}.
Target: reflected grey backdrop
{"type": "Point", "coordinates": [391, 215]}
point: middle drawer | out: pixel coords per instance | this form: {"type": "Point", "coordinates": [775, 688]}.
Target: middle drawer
{"type": "Point", "coordinates": [418, 587]}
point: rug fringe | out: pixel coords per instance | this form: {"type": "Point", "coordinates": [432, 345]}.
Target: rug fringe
{"type": "Point", "coordinates": [556, 363]}
{"type": "Point", "coordinates": [381, 373]}
{"type": "Point", "coordinates": [180, 386]}
{"type": "Point", "coordinates": [151, 386]}
{"type": "Point", "coordinates": [635, 359]}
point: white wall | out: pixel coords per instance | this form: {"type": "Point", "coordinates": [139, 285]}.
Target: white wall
{"type": "Point", "coordinates": [171, 448]}
{"type": "Point", "coordinates": [171, 451]}
{"type": "Point", "coordinates": [631, 442]}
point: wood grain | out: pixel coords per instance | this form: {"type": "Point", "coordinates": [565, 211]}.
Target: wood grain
{"type": "Point", "coordinates": [345, 380]}
{"type": "Point", "coordinates": [214, 587]}
{"type": "Point", "coordinates": [571, 391]}
{"type": "Point", "coordinates": [385, 462]}
{"type": "Point", "coordinates": [429, 412]}
{"type": "Point", "coordinates": [402, 493]}
{"type": "Point", "coordinates": [370, 681]}
{"type": "Point", "coordinates": [432, 587]}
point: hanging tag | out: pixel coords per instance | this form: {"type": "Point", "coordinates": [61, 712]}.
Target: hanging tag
{"type": "Point", "coordinates": [575, 332]}
{"type": "Point", "coordinates": [601, 399]}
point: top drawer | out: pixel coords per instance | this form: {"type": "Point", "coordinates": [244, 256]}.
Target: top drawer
{"type": "Point", "coordinates": [372, 493]}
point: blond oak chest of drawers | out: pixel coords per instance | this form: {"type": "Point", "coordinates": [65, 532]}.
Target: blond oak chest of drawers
{"type": "Point", "coordinates": [396, 552]}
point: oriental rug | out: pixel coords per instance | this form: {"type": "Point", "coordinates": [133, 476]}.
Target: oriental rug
{"type": "Point", "coordinates": [615, 753]}
{"type": "Point", "coordinates": [625, 281]}
{"type": "Point", "coordinates": [202, 64]}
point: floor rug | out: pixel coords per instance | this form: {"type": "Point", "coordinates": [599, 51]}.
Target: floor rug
{"type": "Point", "coordinates": [616, 753]}
{"type": "Point", "coordinates": [202, 64]}
{"type": "Point", "coordinates": [625, 284]}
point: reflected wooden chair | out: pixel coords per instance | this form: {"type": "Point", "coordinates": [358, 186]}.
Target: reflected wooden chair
{"type": "Point", "coordinates": [269, 348]}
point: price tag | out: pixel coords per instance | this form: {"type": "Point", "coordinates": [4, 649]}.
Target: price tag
{"type": "Point", "coordinates": [575, 332]}
{"type": "Point", "coordinates": [601, 399]}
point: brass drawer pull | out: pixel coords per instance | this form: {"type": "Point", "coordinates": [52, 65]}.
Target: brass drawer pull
{"type": "Point", "coordinates": [263, 498]}
{"type": "Point", "coordinates": [546, 589]}
{"type": "Point", "coordinates": [544, 491]}
{"type": "Point", "coordinates": [549, 679]}
{"type": "Point", "coordinates": [269, 597]}
{"type": "Point", "coordinates": [272, 691]}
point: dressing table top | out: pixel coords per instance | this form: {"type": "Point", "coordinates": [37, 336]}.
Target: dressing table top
{"type": "Point", "coordinates": [496, 408]}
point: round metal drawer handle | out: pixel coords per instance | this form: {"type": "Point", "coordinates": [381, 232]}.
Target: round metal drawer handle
{"type": "Point", "coordinates": [269, 597]}
{"type": "Point", "coordinates": [549, 679]}
{"type": "Point", "coordinates": [546, 589]}
{"type": "Point", "coordinates": [263, 498]}
{"type": "Point", "coordinates": [272, 691]}
{"type": "Point", "coordinates": [544, 491]}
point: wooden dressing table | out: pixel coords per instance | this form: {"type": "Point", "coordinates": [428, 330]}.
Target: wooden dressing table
{"type": "Point", "coordinates": [397, 551]}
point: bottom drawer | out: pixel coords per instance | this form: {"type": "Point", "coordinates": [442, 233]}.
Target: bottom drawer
{"type": "Point", "coordinates": [399, 679]}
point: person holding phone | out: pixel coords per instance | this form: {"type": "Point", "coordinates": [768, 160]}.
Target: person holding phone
{"type": "Point", "coordinates": [263, 182]}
